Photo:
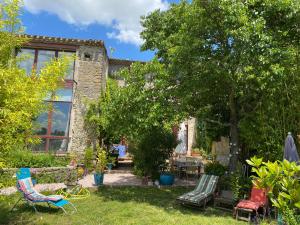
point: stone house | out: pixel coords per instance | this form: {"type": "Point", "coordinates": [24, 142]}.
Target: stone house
{"type": "Point", "coordinates": [61, 128]}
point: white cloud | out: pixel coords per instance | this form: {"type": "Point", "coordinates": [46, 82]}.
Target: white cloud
{"type": "Point", "coordinates": [121, 15]}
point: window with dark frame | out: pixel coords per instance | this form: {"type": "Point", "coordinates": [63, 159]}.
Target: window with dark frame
{"type": "Point", "coordinates": [52, 126]}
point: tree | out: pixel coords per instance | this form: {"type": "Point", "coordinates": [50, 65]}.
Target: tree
{"type": "Point", "coordinates": [21, 95]}
{"type": "Point", "coordinates": [133, 109]}
{"type": "Point", "coordinates": [232, 60]}
{"type": "Point", "coordinates": [141, 112]}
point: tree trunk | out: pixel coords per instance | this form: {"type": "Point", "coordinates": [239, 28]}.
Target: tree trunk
{"type": "Point", "coordinates": [234, 134]}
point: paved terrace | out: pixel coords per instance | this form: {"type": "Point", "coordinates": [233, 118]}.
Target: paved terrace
{"type": "Point", "coordinates": [122, 176]}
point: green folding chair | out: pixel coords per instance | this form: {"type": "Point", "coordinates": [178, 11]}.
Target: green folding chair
{"type": "Point", "coordinates": [203, 195]}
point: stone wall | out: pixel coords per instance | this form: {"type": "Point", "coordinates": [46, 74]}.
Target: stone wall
{"type": "Point", "coordinates": [67, 175]}
{"type": "Point", "coordinates": [91, 69]}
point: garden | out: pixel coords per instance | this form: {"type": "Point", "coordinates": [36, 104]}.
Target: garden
{"type": "Point", "coordinates": [233, 67]}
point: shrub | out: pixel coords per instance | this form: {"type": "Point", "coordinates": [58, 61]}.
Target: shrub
{"type": "Point", "coordinates": [101, 160]}
{"type": "Point", "coordinates": [27, 158]}
{"type": "Point", "coordinates": [240, 185]}
{"type": "Point", "coordinates": [215, 168]}
{"type": "Point", "coordinates": [281, 179]}
{"type": "Point", "coordinates": [155, 146]}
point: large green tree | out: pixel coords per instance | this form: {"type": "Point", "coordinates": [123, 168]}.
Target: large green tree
{"type": "Point", "coordinates": [141, 112]}
{"type": "Point", "coordinates": [134, 108]}
{"type": "Point", "coordinates": [238, 61]}
{"type": "Point", "coordinates": [21, 95]}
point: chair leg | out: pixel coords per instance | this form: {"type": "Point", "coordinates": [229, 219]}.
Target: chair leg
{"type": "Point", "coordinates": [235, 213]}
{"type": "Point", "coordinates": [32, 204]}
{"type": "Point", "coordinates": [63, 209]}
{"type": "Point", "coordinates": [73, 206]}
{"type": "Point", "coordinates": [16, 204]}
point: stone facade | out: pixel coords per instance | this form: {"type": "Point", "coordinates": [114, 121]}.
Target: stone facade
{"type": "Point", "coordinates": [91, 70]}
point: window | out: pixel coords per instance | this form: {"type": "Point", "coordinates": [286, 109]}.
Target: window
{"type": "Point", "coordinates": [70, 72]}
{"type": "Point", "coordinates": [42, 58]}
{"type": "Point", "coordinates": [27, 59]}
{"type": "Point", "coordinates": [52, 126]}
{"type": "Point", "coordinates": [60, 118]}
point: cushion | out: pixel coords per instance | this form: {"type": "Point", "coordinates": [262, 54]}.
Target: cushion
{"type": "Point", "coordinates": [258, 195]}
{"type": "Point", "coordinates": [26, 186]}
{"type": "Point", "coordinates": [38, 197]}
{"type": "Point", "coordinates": [247, 204]}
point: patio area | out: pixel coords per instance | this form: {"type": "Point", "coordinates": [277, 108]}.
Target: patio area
{"type": "Point", "coordinates": [127, 178]}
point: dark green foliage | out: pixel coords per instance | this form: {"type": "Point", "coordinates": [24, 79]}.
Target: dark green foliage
{"type": "Point", "coordinates": [154, 147]}
{"type": "Point", "coordinates": [215, 168]}
{"type": "Point", "coordinates": [26, 158]}
{"type": "Point", "coordinates": [240, 185]}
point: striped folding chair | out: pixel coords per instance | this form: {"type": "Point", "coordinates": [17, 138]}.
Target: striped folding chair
{"type": "Point", "coordinates": [31, 196]}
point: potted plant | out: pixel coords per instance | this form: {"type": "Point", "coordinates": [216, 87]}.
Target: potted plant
{"type": "Point", "coordinates": [196, 152]}
{"type": "Point", "coordinates": [100, 166]}
{"type": "Point", "coordinates": [88, 160]}
{"type": "Point", "coordinates": [166, 176]}
{"type": "Point", "coordinates": [110, 163]}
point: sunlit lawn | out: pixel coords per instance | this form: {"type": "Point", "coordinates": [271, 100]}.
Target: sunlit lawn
{"type": "Point", "coordinates": [124, 205]}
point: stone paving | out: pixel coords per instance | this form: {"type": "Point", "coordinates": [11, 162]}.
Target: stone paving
{"type": "Point", "coordinates": [126, 178]}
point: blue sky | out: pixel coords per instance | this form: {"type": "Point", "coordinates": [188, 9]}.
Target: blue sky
{"type": "Point", "coordinates": [115, 22]}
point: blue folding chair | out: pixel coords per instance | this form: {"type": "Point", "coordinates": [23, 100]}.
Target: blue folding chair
{"type": "Point", "coordinates": [31, 196]}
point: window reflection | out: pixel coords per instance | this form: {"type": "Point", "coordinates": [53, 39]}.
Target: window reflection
{"type": "Point", "coordinates": [64, 94]}
{"type": "Point", "coordinates": [60, 118]}
{"type": "Point", "coordinates": [27, 59]}
{"type": "Point", "coordinates": [39, 147]}
{"type": "Point", "coordinates": [44, 56]}
{"type": "Point", "coordinates": [41, 124]}
{"type": "Point", "coordinates": [58, 145]}
{"type": "Point", "coordinates": [70, 70]}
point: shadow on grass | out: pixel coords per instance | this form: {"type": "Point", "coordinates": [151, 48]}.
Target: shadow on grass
{"type": "Point", "coordinates": [164, 198]}
{"type": "Point", "coordinates": [22, 213]}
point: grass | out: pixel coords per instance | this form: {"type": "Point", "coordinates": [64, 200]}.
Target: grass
{"type": "Point", "coordinates": [122, 205]}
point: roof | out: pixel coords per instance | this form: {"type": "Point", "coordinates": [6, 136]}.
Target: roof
{"type": "Point", "coordinates": [123, 62]}
{"type": "Point", "coordinates": [60, 40]}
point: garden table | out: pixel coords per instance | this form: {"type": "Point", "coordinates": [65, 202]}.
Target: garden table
{"type": "Point", "coordinates": [183, 163]}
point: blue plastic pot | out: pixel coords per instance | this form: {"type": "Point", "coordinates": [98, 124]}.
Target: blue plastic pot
{"type": "Point", "coordinates": [279, 219]}
{"type": "Point", "coordinates": [109, 166]}
{"type": "Point", "coordinates": [166, 179]}
{"type": "Point", "coordinates": [98, 178]}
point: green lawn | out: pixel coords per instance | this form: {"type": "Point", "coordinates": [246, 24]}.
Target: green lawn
{"type": "Point", "coordinates": [123, 205]}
